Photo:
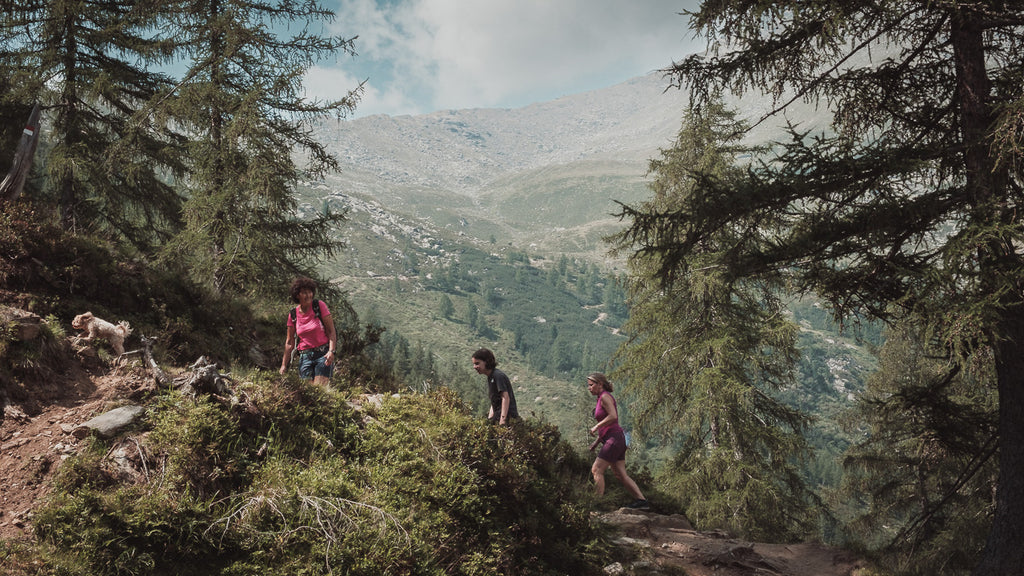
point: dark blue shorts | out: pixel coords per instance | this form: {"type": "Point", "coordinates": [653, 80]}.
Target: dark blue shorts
{"type": "Point", "coordinates": [614, 447]}
{"type": "Point", "coordinates": [313, 363]}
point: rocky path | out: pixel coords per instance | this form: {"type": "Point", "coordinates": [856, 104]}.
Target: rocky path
{"type": "Point", "coordinates": [654, 542]}
{"type": "Point", "coordinates": [38, 424]}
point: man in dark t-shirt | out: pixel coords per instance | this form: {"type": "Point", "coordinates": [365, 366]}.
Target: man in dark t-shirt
{"type": "Point", "coordinates": [499, 387]}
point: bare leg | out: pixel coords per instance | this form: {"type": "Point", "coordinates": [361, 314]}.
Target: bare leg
{"type": "Point", "coordinates": [619, 468]}
{"type": "Point", "coordinates": [598, 470]}
{"type": "Point", "coordinates": [322, 381]}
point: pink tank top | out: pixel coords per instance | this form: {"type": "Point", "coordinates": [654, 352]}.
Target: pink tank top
{"type": "Point", "coordinates": [308, 327]}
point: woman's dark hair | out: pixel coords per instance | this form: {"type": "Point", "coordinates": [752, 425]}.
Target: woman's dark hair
{"type": "Point", "coordinates": [602, 380]}
{"type": "Point", "coordinates": [487, 356]}
{"type": "Point", "coordinates": [301, 284]}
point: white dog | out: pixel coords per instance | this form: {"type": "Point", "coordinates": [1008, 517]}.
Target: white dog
{"type": "Point", "coordinates": [96, 328]}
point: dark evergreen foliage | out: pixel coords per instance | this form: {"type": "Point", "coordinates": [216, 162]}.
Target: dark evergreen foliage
{"type": "Point", "coordinates": [705, 351]}
{"type": "Point", "coordinates": [250, 138]}
{"type": "Point", "coordinates": [905, 206]}
{"type": "Point", "coordinates": [924, 467]}
{"type": "Point", "coordinates": [91, 66]}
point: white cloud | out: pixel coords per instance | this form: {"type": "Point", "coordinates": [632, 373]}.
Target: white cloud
{"type": "Point", "coordinates": [327, 83]}
{"type": "Point", "coordinates": [423, 55]}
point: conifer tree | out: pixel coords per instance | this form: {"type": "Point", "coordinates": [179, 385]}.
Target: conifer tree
{"type": "Point", "coordinates": [242, 103]}
{"type": "Point", "coordinates": [906, 205]}
{"type": "Point", "coordinates": [614, 298]}
{"type": "Point", "coordinates": [88, 64]}
{"type": "Point", "coordinates": [554, 278]}
{"type": "Point", "coordinates": [447, 308]}
{"type": "Point", "coordinates": [703, 353]}
{"type": "Point", "coordinates": [473, 317]}
{"type": "Point", "coordinates": [924, 463]}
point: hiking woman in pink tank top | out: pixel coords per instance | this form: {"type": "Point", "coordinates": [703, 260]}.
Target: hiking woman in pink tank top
{"type": "Point", "coordinates": [613, 440]}
{"type": "Point", "coordinates": [311, 334]}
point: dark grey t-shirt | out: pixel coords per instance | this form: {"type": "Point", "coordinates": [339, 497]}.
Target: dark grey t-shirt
{"type": "Point", "coordinates": [497, 383]}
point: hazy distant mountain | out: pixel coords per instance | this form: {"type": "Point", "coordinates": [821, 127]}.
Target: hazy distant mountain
{"type": "Point", "coordinates": [545, 174]}
{"type": "Point", "coordinates": [468, 151]}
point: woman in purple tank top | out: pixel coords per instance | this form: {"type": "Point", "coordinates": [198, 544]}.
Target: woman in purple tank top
{"type": "Point", "coordinates": [612, 438]}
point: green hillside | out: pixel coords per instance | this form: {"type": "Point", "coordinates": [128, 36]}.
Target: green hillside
{"type": "Point", "coordinates": [565, 209]}
{"type": "Point", "coordinates": [548, 321]}
{"type": "Point", "coordinates": [270, 475]}
{"type": "Point", "coordinates": [550, 317]}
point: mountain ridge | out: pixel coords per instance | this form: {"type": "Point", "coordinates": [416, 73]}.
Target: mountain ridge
{"type": "Point", "coordinates": [549, 176]}
{"type": "Point", "coordinates": [545, 176]}
{"type": "Point", "coordinates": [466, 150]}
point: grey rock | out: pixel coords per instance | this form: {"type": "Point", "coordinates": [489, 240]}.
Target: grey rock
{"type": "Point", "coordinates": [109, 424]}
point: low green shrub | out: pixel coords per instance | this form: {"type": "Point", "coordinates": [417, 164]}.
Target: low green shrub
{"type": "Point", "coordinates": [297, 480]}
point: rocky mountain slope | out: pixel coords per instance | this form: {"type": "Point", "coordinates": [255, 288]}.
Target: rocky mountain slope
{"type": "Point", "coordinates": [541, 175]}
{"type": "Point", "coordinates": [469, 152]}
{"type": "Point", "coordinates": [545, 176]}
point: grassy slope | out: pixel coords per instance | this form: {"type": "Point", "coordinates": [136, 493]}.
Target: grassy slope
{"type": "Point", "coordinates": [284, 477]}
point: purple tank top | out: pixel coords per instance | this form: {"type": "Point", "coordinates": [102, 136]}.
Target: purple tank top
{"type": "Point", "coordinates": [600, 414]}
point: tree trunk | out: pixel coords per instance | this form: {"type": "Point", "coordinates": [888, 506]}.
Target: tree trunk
{"type": "Point", "coordinates": [986, 182]}
{"type": "Point", "coordinates": [1004, 554]}
{"type": "Point", "coordinates": [69, 128]}
{"type": "Point", "coordinates": [13, 184]}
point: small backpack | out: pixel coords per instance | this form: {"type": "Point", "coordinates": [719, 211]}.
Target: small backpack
{"type": "Point", "coordinates": [316, 310]}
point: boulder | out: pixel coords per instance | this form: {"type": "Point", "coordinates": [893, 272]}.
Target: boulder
{"type": "Point", "coordinates": [110, 424]}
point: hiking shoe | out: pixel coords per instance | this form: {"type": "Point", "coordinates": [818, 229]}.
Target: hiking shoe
{"type": "Point", "coordinates": [639, 504]}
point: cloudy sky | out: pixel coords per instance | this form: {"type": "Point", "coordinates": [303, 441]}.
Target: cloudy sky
{"type": "Point", "coordinates": [425, 55]}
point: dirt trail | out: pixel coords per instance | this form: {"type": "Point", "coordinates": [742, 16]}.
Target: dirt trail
{"type": "Point", "coordinates": [35, 433]}
{"type": "Point", "coordinates": [670, 541]}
